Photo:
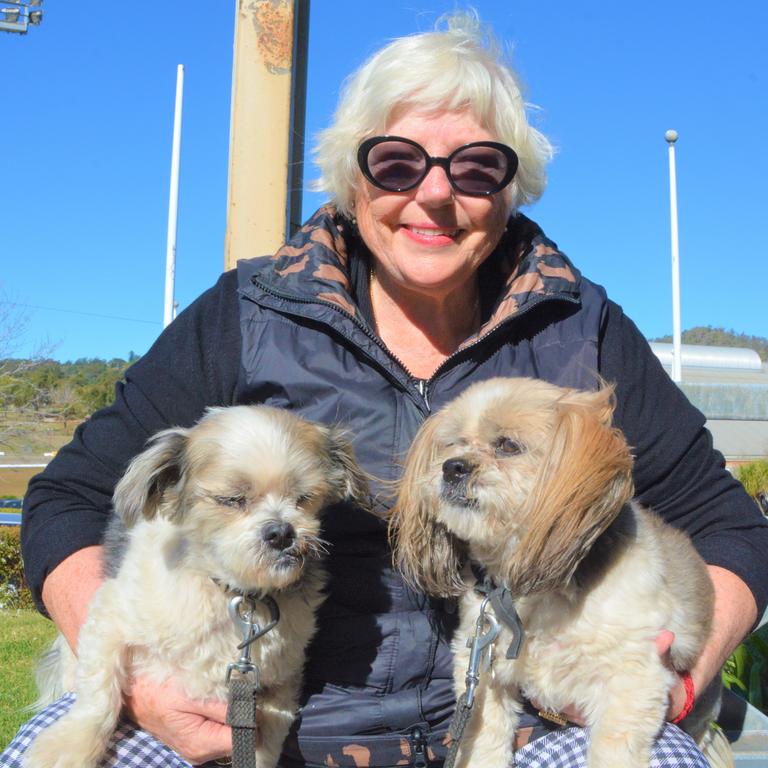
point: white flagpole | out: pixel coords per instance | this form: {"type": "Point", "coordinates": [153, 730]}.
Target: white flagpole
{"type": "Point", "coordinates": [173, 203]}
{"type": "Point", "coordinates": [677, 372]}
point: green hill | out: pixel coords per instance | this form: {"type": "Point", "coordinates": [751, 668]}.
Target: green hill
{"type": "Point", "coordinates": [720, 337]}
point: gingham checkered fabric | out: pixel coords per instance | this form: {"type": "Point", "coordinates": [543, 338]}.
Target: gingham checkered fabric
{"type": "Point", "coordinates": [132, 748]}
{"type": "Point", "coordinates": [568, 749]}
{"type": "Point", "coordinates": [129, 746]}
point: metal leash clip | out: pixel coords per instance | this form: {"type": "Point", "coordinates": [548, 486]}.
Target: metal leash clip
{"type": "Point", "coordinates": [244, 687]}
{"type": "Point", "coordinates": [242, 610]}
{"type": "Point", "coordinates": [479, 644]}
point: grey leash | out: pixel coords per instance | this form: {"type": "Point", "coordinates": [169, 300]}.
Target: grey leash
{"type": "Point", "coordinates": [481, 645]}
{"type": "Point", "coordinates": [478, 644]}
{"type": "Point", "coordinates": [243, 678]}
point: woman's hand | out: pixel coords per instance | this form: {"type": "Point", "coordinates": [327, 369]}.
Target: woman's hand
{"type": "Point", "coordinates": [194, 729]}
{"type": "Point", "coordinates": [677, 694]}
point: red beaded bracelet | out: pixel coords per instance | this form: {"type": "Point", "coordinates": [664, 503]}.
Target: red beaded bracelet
{"type": "Point", "coordinates": [690, 698]}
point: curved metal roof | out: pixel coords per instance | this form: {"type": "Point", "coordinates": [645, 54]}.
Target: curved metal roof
{"type": "Point", "coordinates": [702, 356]}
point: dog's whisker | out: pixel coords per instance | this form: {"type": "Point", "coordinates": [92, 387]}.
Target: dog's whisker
{"type": "Point", "coordinates": [317, 546]}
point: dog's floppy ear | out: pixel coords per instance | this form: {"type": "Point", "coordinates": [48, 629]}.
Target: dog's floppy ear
{"type": "Point", "coordinates": [149, 476]}
{"type": "Point", "coordinates": [425, 552]}
{"type": "Point", "coordinates": [581, 488]}
{"type": "Point", "coordinates": [347, 479]}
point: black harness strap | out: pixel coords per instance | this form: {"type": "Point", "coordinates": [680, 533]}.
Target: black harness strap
{"type": "Point", "coordinates": [504, 607]}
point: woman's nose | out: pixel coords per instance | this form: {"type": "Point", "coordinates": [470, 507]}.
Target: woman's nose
{"type": "Point", "coordinates": [435, 189]}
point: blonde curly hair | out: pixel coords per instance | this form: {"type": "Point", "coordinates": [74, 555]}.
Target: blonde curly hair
{"type": "Point", "coordinates": [457, 67]}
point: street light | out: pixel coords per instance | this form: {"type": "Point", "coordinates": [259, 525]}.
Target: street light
{"type": "Point", "coordinates": [16, 16]}
{"type": "Point", "coordinates": [677, 368]}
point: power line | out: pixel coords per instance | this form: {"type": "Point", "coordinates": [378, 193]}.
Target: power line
{"type": "Point", "coordinates": [88, 314]}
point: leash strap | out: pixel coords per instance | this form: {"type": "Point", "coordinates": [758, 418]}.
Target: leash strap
{"type": "Point", "coordinates": [480, 645]}
{"type": "Point", "coordinates": [243, 677]}
{"type": "Point", "coordinates": [456, 729]}
{"type": "Point", "coordinates": [241, 716]}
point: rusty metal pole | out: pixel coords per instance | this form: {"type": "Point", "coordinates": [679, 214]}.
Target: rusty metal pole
{"type": "Point", "coordinates": [267, 126]}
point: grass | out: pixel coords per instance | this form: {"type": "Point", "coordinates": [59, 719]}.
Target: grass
{"type": "Point", "coordinates": [23, 635]}
{"type": "Point", "coordinates": [13, 482]}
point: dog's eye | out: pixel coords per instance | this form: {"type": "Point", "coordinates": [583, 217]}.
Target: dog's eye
{"type": "Point", "coordinates": [508, 447]}
{"type": "Point", "coordinates": [231, 501]}
{"type": "Point", "coordinates": [304, 498]}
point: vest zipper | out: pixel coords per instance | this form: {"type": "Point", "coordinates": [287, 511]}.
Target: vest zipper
{"type": "Point", "coordinates": [364, 328]}
{"type": "Point", "coordinates": [418, 748]}
{"type": "Point", "coordinates": [422, 385]}
{"type": "Point", "coordinates": [534, 303]}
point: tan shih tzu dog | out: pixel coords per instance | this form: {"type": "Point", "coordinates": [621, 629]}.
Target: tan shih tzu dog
{"type": "Point", "coordinates": [530, 483]}
{"type": "Point", "coordinates": [228, 507]}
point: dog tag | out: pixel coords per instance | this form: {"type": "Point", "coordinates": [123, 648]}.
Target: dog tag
{"type": "Point", "coordinates": [504, 607]}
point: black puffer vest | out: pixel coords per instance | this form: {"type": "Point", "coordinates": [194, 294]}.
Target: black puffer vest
{"type": "Point", "coordinates": [378, 682]}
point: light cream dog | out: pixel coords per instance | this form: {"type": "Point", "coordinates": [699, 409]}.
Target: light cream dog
{"type": "Point", "coordinates": [530, 482]}
{"type": "Point", "coordinates": [229, 507]}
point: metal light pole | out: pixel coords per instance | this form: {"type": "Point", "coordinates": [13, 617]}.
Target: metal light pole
{"type": "Point", "coordinates": [173, 203]}
{"type": "Point", "coordinates": [677, 373]}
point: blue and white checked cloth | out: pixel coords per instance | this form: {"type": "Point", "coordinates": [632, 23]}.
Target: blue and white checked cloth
{"type": "Point", "coordinates": [132, 748]}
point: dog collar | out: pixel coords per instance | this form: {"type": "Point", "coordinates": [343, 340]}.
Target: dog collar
{"type": "Point", "coordinates": [230, 590]}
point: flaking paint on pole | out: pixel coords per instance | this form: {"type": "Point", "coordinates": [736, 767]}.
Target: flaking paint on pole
{"type": "Point", "coordinates": [267, 123]}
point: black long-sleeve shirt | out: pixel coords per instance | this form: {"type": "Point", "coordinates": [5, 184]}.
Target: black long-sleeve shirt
{"type": "Point", "coordinates": [195, 364]}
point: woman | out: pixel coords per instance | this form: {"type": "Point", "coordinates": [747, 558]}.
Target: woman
{"type": "Point", "coordinates": [419, 279]}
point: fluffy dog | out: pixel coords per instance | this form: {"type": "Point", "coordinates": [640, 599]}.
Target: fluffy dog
{"type": "Point", "coordinates": [530, 482]}
{"type": "Point", "coordinates": [228, 507]}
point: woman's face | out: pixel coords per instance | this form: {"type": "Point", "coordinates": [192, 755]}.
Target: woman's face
{"type": "Point", "coordinates": [431, 239]}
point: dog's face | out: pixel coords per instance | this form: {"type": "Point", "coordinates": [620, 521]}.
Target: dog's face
{"type": "Point", "coordinates": [244, 487]}
{"type": "Point", "coordinates": [518, 474]}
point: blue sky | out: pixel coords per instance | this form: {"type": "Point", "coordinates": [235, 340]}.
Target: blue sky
{"type": "Point", "coordinates": [87, 110]}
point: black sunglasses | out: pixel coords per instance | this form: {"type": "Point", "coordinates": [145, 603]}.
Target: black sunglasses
{"type": "Point", "coordinates": [397, 164]}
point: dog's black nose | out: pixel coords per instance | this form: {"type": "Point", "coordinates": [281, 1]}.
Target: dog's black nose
{"type": "Point", "coordinates": [457, 470]}
{"type": "Point", "coordinates": [279, 535]}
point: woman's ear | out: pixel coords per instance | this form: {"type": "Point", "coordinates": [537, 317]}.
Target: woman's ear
{"type": "Point", "coordinates": [580, 489]}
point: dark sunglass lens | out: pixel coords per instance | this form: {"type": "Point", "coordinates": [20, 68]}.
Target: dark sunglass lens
{"type": "Point", "coordinates": [396, 165]}
{"type": "Point", "coordinates": [479, 170]}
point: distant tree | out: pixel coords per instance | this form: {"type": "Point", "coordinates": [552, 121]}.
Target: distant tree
{"type": "Point", "coordinates": [720, 337]}
{"type": "Point", "coordinates": [19, 391]}
{"type": "Point", "coordinates": [67, 404]}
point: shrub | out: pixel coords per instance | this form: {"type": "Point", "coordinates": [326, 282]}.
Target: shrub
{"type": "Point", "coordinates": [754, 478]}
{"type": "Point", "coordinates": [745, 671]}
{"type": "Point", "coordinates": [13, 589]}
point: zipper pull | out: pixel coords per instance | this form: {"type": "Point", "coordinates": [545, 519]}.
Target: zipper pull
{"type": "Point", "coordinates": [421, 385]}
{"type": "Point", "coordinates": [418, 748]}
